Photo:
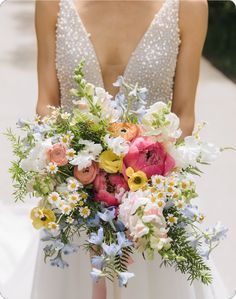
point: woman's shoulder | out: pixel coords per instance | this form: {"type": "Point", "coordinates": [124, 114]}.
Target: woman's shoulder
{"type": "Point", "coordinates": [193, 14]}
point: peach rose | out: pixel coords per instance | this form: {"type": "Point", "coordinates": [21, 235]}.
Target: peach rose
{"type": "Point", "coordinates": [86, 175]}
{"type": "Point", "coordinates": [57, 154]}
{"type": "Point", "coordinates": [126, 130]}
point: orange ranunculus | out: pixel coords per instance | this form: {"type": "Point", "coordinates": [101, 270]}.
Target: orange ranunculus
{"type": "Point", "coordinates": [126, 130]}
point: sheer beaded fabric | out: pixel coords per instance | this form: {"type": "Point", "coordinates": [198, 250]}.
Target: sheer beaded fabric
{"type": "Point", "coordinates": [152, 64]}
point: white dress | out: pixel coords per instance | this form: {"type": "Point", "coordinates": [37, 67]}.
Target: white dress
{"type": "Point", "coordinates": [152, 64]}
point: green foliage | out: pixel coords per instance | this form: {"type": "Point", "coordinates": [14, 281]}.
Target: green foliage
{"type": "Point", "coordinates": [121, 261]}
{"type": "Point", "coordinates": [220, 45]}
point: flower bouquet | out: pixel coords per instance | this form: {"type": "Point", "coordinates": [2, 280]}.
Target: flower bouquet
{"type": "Point", "coordinates": [121, 175]}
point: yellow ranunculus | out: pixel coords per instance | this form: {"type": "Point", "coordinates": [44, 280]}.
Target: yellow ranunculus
{"type": "Point", "coordinates": [110, 162]}
{"type": "Point", "coordinates": [136, 179]}
{"type": "Point", "coordinates": [41, 217]}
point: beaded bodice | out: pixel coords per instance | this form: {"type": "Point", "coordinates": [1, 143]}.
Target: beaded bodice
{"type": "Point", "coordinates": [152, 63]}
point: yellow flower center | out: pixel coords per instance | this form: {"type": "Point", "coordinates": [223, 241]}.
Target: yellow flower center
{"type": "Point", "coordinates": [160, 204]}
{"type": "Point", "coordinates": [153, 199]}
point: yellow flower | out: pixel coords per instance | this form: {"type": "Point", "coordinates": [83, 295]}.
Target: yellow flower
{"type": "Point", "coordinates": [42, 217]}
{"type": "Point", "coordinates": [136, 179]}
{"type": "Point", "coordinates": [110, 162]}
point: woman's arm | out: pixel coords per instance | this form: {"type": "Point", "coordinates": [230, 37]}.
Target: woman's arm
{"type": "Point", "coordinates": [193, 28]}
{"type": "Point", "coordinates": [48, 86]}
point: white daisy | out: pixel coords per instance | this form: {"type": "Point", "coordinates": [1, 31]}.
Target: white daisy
{"type": "Point", "coordinates": [54, 228]}
{"type": "Point", "coordinates": [158, 181]}
{"type": "Point", "coordinates": [65, 208]}
{"type": "Point", "coordinates": [73, 184]}
{"type": "Point", "coordinates": [70, 154]}
{"type": "Point", "coordinates": [180, 204]}
{"type": "Point", "coordinates": [52, 168]}
{"type": "Point", "coordinates": [69, 220]}
{"type": "Point", "coordinates": [161, 203]}
{"type": "Point", "coordinates": [84, 211]}
{"type": "Point", "coordinates": [74, 197]}
{"type": "Point", "coordinates": [65, 115]}
{"type": "Point", "coordinates": [54, 198]}
{"type": "Point", "coordinates": [66, 139]}
{"type": "Point", "coordinates": [171, 219]}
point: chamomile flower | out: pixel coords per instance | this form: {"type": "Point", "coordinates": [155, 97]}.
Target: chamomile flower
{"type": "Point", "coordinates": [161, 195]}
{"type": "Point", "coordinates": [65, 115]}
{"type": "Point", "coordinates": [180, 204]}
{"type": "Point", "coordinates": [171, 219]}
{"type": "Point", "coordinates": [161, 203]}
{"type": "Point", "coordinates": [84, 211]}
{"type": "Point", "coordinates": [65, 208]}
{"type": "Point", "coordinates": [52, 168]}
{"type": "Point", "coordinates": [69, 220]}
{"type": "Point", "coordinates": [54, 198]}
{"type": "Point", "coordinates": [74, 197]}
{"type": "Point", "coordinates": [81, 203]}
{"type": "Point", "coordinates": [176, 194]}
{"type": "Point", "coordinates": [72, 205]}
{"type": "Point", "coordinates": [200, 218]}
{"type": "Point", "coordinates": [73, 184]}
{"type": "Point", "coordinates": [84, 195]}
{"type": "Point", "coordinates": [158, 181]}
{"type": "Point", "coordinates": [66, 139]}
{"type": "Point", "coordinates": [54, 228]}
{"type": "Point", "coordinates": [70, 154]}
{"type": "Point", "coordinates": [184, 184]}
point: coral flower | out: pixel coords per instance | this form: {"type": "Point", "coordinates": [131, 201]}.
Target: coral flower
{"type": "Point", "coordinates": [136, 179]}
{"type": "Point", "coordinates": [149, 157]}
{"type": "Point", "coordinates": [86, 175]}
{"type": "Point", "coordinates": [57, 154]}
{"type": "Point", "coordinates": [42, 217]}
{"type": "Point", "coordinates": [126, 130]}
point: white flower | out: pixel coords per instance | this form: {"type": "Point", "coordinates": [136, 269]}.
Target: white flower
{"type": "Point", "coordinates": [73, 184]}
{"type": "Point", "coordinates": [180, 204]}
{"type": "Point", "coordinates": [66, 138]}
{"type": "Point", "coordinates": [37, 159]}
{"type": "Point", "coordinates": [54, 228]}
{"type": "Point", "coordinates": [65, 115]}
{"type": "Point", "coordinates": [171, 219]}
{"type": "Point", "coordinates": [118, 145]}
{"type": "Point", "coordinates": [69, 220]}
{"type": "Point", "coordinates": [158, 181]}
{"type": "Point", "coordinates": [54, 198]}
{"type": "Point", "coordinates": [138, 229]}
{"type": "Point", "coordinates": [84, 211]}
{"type": "Point", "coordinates": [74, 197]}
{"type": "Point", "coordinates": [209, 152]}
{"type": "Point", "coordinates": [187, 154]}
{"type": "Point", "coordinates": [85, 157]}
{"type": "Point", "coordinates": [62, 188]}
{"type": "Point", "coordinates": [70, 154]}
{"type": "Point", "coordinates": [52, 168]}
{"type": "Point", "coordinates": [65, 208]}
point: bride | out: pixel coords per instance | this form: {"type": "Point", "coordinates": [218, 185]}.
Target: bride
{"type": "Point", "coordinates": [155, 43]}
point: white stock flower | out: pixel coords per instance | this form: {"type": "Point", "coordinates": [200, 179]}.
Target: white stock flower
{"type": "Point", "coordinates": [118, 145]}
{"type": "Point", "coordinates": [187, 154]}
{"type": "Point", "coordinates": [209, 152]}
{"type": "Point", "coordinates": [37, 159]}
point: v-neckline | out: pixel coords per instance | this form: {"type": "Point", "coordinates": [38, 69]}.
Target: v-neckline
{"type": "Point", "coordinates": [136, 48]}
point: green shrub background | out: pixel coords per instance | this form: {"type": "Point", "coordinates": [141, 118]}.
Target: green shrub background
{"type": "Point", "coordinates": [220, 45]}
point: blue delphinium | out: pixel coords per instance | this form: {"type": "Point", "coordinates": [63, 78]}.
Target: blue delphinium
{"type": "Point", "coordinates": [111, 250]}
{"type": "Point", "coordinates": [69, 248]}
{"type": "Point", "coordinates": [59, 262]}
{"type": "Point", "coordinates": [122, 240]}
{"type": "Point", "coordinates": [98, 261]}
{"type": "Point", "coordinates": [108, 215]}
{"type": "Point", "coordinates": [96, 239]}
{"type": "Point", "coordinates": [96, 275]}
{"type": "Point", "coordinates": [123, 278]}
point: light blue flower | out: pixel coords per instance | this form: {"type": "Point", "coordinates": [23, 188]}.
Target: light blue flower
{"type": "Point", "coordinates": [120, 227]}
{"type": "Point", "coordinates": [96, 275]}
{"type": "Point", "coordinates": [96, 239]}
{"type": "Point", "coordinates": [217, 233]}
{"type": "Point", "coordinates": [122, 240]}
{"type": "Point", "coordinates": [111, 250]}
{"type": "Point", "coordinates": [204, 251]}
{"type": "Point", "coordinates": [59, 262]}
{"type": "Point", "coordinates": [108, 215]}
{"type": "Point", "coordinates": [93, 222]}
{"type": "Point", "coordinates": [124, 277]}
{"type": "Point", "coordinates": [98, 262]}
{"type": "Point", "coordinates": [119, 81]}
{"type": "Point", "coordinates": [190, 211]}
{"type": "Point", "coordinates": [70, 248]}
{"type": "Point", "coordinates": [143, 93]}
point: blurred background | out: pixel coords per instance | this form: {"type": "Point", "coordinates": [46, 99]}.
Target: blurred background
{"type": "Point", "coordinates": [215, 103]}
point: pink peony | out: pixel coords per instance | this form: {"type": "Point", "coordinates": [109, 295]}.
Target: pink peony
{"type": "Point", "coordinates": [149, 157]}
{"type": "Point", "coordinates": [57, 154]}
{"type": "Point", "coordinates": [86, 175]}
{"type": "Point", "coordinates": [108, 187]}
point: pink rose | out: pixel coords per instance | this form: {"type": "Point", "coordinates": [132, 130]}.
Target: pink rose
{"type": "Point", "coordinates": [86, 175]}
{"type": "Point", "coordinates": [57, 154]}
{"type": "Point", "coordinates": [108, 187]}
{"type": "Point", "coordinates": [149, 157]}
